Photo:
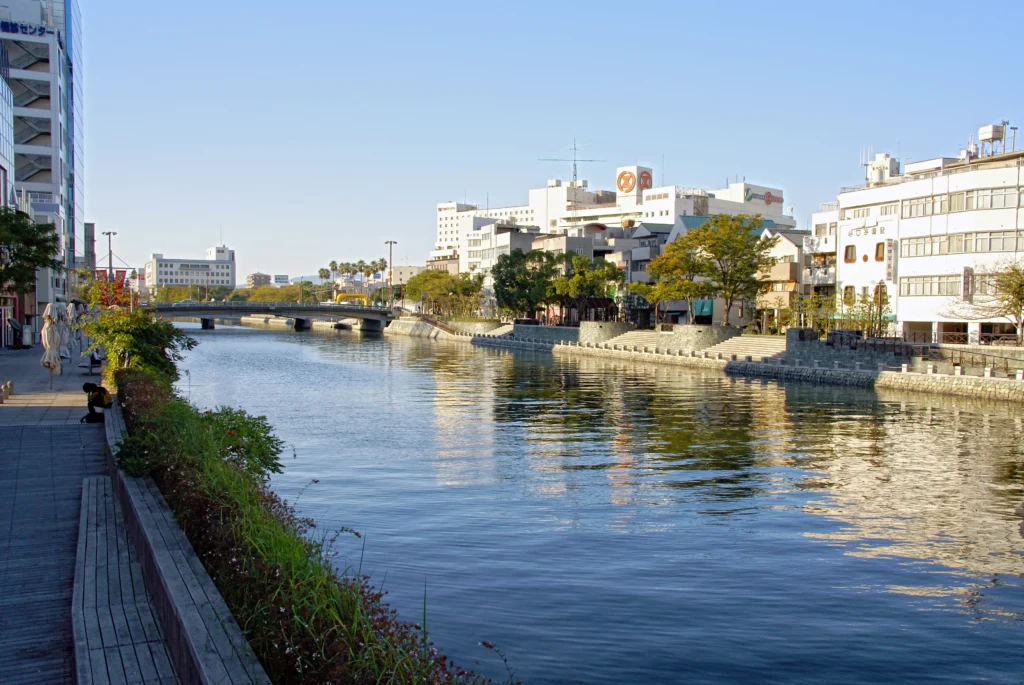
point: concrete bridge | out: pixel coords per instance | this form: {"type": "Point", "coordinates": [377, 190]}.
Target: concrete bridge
{"type": "Point", "coordinates": [370, 318]}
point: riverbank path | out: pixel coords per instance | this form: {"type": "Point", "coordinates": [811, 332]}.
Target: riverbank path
{"type": "Point", "coordinates": [45, 454]}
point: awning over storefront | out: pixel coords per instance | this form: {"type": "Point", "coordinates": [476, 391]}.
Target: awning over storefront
{"type": "Point", "coordinates": [703, 307]}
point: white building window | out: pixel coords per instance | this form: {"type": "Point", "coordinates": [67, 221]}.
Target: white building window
{"type": "Point", "coordinates": [916, 207]}
{"type": "Point", "coordinates": [930, 286]}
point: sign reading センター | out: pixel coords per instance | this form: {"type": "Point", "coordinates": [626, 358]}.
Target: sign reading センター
{"type": "Point", "coordinates": [767, 196]}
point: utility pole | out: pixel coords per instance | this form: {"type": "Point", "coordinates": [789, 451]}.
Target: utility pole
{"type": "Point", "coordinates": [110, 254]}
{"type": "Point", "coordinates": [391, 271]}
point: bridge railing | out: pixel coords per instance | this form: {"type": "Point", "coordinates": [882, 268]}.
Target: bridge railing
{"type": "Point", "coordinates": [325, 307]}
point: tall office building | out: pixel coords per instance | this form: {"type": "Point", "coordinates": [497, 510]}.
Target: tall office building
{"type": "Point", "coordinates": [43, 39]}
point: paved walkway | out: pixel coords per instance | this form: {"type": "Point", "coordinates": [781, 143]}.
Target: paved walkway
{"type": "Point", "coordinates": [45, 454]}
{"type": "Point", "coordinates": [33, 402]}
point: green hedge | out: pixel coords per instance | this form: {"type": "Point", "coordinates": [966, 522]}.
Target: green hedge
{"type": "Point", "coordinates": [306, 621]}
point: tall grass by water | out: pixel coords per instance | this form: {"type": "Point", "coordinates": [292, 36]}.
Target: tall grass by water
{"type": "Point", "coordinates": [306, 621]}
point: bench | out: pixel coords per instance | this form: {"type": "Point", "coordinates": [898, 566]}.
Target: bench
{"type": "Point", "coordinates": [90, 365]}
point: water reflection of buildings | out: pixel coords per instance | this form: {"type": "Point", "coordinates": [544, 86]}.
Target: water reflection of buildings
{"type": "Point", "coordinates": [926, 479]}
{"type": "Point", "coordinates": [908, 476]}
{"type": "Point", "coordinates": [464, 442]}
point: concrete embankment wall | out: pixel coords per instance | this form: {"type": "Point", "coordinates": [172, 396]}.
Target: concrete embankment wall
{"type": "Point", "coordinates": [474, 327]}
{"type": "Point", "coordinates": [974, 387]}
{"type": "Point", "coordinates": [273, 321]}
{"type": "Point", "coordinates": [330, 325]}
{"type": "Point", "coordinates": [418, 329]}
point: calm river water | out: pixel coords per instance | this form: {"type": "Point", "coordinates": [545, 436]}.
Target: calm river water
{"type": "Point", "coordinates": [607, 522]}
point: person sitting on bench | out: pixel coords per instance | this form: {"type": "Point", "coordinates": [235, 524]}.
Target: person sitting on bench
{"type": "Point", "coordinates": [98, 397]}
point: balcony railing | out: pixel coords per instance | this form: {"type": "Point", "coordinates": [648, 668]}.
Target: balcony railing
{"type": "Point", "coordinates": [818, 244]}
{"type": "Point", "coordinates": [819, 275]}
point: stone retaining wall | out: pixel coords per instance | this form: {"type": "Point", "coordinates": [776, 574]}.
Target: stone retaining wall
{"type": "Point", "coordinates": [695, 336]}
{"type": "Point", "coordinates": [600, 331]}
{"type": "Point", "coordinates": [827, 354]}
{"type": "Point", "coordinates": [962, 386]}
{"type": "Point", "coordinates": [974, 387]}
{"type": "Point", "coordinates": [549, 333]}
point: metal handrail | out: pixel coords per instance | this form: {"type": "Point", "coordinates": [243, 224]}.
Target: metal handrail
{"type": "Point", "coordinates": [961, 354]}
{"type": "Point", "coordinates": [437, 324]}
{"type": "Point", "coordinates": [261, 306]}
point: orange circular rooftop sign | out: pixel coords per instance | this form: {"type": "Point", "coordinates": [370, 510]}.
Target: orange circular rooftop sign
{"type": "Point", "coordinates": [626, 181]}
{"type": "Point", "coordinates": [646, 180]}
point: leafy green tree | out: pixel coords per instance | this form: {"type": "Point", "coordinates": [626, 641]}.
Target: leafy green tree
{"type": "Point", "coordinates": [466, 292]}
{"type": "Point", "coordinates": [324, 274]}
{"type": "Point", "coordinates": [333, 265]}
{"type": "Point", "coordinates": [522, 280]}
{"type": "Point", "coordinates": [431, 287]}
{"type": "Point", "coordinates": [173, 293]}
{"type": "Point", "coordinates": [25, 247]}
{"type": "Point", "coordinates": [137, 340]}
{"type": "Point", "coordinates": [676, 274]}
{"type": "Point", "coordinates": [586, 278]}
{"type": "Point", "coordinates": [733, 256]}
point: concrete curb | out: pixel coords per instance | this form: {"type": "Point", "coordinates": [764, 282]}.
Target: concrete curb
{"type": "Point", "coordinates": [203, 639]}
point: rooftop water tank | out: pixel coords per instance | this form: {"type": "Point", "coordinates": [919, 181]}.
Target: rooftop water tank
{"type": "Point", "coordinates": [990, 133]}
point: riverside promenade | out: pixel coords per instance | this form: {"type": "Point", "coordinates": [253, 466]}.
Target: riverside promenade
{"type": "Point", "coordinates": [45, 454]}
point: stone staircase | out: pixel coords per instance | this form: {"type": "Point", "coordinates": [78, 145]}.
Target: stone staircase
{"type": "Point", "coordinates": [501, 331]}
{"type": "Point", "coordinates": [756, 346]}
{"type": "Point", "coordinates": [638, 339]}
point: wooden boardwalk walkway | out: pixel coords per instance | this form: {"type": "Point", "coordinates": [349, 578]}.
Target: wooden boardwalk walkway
{"type": "Point", "coordinates": [117, 637]}
{"type": "Point", "coordinates": [41, 472]}
{"type": "Point", "coordinates": [45, 455]}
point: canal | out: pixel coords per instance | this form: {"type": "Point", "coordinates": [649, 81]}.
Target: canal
{"type": "Point", "coordinates": [607, 522]}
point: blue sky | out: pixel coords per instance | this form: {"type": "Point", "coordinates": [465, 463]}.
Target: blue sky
{"type": "Point", "coordinates": [315, 131]}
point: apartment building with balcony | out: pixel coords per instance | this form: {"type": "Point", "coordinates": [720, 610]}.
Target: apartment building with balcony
{"type": "Point", "coordinates": [786, 276]}
{"type": "Point", "coordinates": [928, 237]}
{"type": "Point", "coordinates": [819, 248]}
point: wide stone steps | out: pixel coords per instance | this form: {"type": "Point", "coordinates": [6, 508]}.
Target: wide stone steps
{"type": "Point", "coordinates": [501, 330]}
{"type": "Point", "coordinates": [638, 339]}
{"type": "Point", "coordinates": [756, 346]}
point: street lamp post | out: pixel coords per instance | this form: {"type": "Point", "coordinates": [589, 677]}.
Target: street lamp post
{"type": "Point", "coordinates": [391, 271]}
{"type": "Point", "coordinates": [110, 254]}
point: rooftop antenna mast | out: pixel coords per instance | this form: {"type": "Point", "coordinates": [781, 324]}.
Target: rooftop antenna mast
{"type": "Point", "coordinates": [574, 160]}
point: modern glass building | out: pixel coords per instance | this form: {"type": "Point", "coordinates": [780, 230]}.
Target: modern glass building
{"type": "Point", "coordinates": [74, 130]}
{"type": "Point", "coordinates": [7, 194]}
{"type": "Point", "coordinates": [43, 39]}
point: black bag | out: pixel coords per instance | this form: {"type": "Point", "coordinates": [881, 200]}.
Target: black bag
{"type": "Point", "coordinates": [91, 418]}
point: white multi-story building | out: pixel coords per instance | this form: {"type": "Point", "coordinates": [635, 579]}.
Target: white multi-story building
{"type": "Point", "coordinates": [280, 279]}
{"type": "Point", "coordinates": [929, 236]}
{"type": "Point", "coordinates": [570, 208]}
{"type": "Point", "coordinates": [218, 269]}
